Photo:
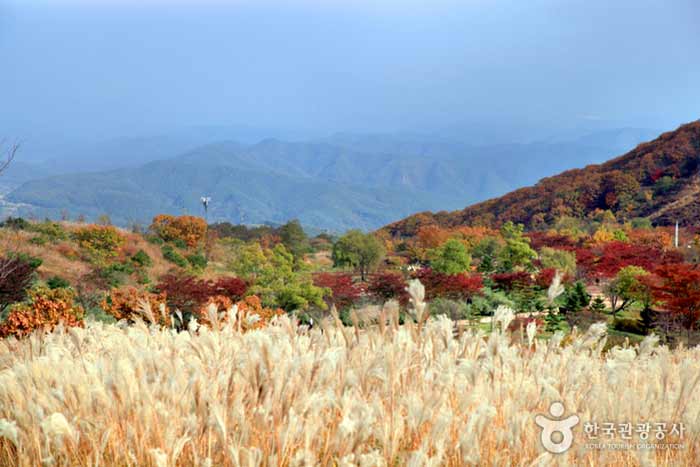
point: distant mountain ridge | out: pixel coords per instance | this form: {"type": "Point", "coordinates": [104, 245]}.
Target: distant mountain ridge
{"type": "Point", "coordinates": [659, 179]}
{"type": "Point", "coordinates": [341, 182]}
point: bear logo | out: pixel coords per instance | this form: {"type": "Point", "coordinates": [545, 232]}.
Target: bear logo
{"type": "Point", "coordinates": [557, 425]}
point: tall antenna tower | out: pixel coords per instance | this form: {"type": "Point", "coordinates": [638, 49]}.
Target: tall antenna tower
{"type": "Point", "coordinates": [205, 203]}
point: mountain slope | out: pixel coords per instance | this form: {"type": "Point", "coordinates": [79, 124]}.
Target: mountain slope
{"type": "Point", "coordinates": [240, 194]}
{"type": "Point", "coordinates": [658, 179]}
{"type": "Point", "coordinates": [359, 182]}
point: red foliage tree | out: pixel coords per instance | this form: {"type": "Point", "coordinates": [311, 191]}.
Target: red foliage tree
{"type": "Point", "coordinates": [388, 286]}
{"type": "Point", "coordinates": [15, 278]}
{"type": "Point", "coordinates": [677, 288]}
{"type": "Point", "coordinates": [512, 280]}
{"type": "Point", "coordinates": [545, 277]}
{"type": "Point", "coordinates": [454, 286]}
{"type": "Point", "coordinates": [551, 240]}
{"type": "Point", "coordinates": [614, 256]}
{"type": "Point", "coordinates": [345, 292]}
{"type": "Point", "coordinates": [585, 262]}
{"type": "Point", "coordinates": [189, 293]}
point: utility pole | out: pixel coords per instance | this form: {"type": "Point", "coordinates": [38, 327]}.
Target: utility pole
{"type": "Point", "coordinates": [675, 240]}
{"type": "Point", "coordinates": [205, 202]}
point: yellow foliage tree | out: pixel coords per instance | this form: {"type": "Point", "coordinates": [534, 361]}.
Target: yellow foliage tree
{"type": "Point", "coordinates": [190, 229]}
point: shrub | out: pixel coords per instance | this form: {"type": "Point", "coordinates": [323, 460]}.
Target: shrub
{"type": "Point", "coordinates": [67, 250]}
{"type": "Point", "coordinates": [142, 277]}
{"type": "Point", "coordinates": [576, 297]}
{"type": "Point", "coordinates": [189, 229]}
{"type": "Point", "coordinates": [154, 239]}
{"type": "Point", "coordinates": [344, 291]}
{"type": "Point", "coordinates": [142, 259]}
{"type": "Point", "coordinates": [187, 293]}
{"type": "Point", "coordinates": [251, 314]}
{"type": "Point", "coordinates": [100, 241]}
{"type": "Point", "coordinates": [33, 261]}
{"type": "Point", "coordinates": [171, 254]}
{"type": "Point", "coordinates": [488, 300]}
{"type": "Point", "coordinates": [15, 223]}
{"type": "Point", "coordinates": [57, 282]}
{"type": "Point", "coordinates": [179, 243]}
{"type": "Point", "coordinates": [197, 260]}
{"type": "Point", "coordinates": [129, 303]}
{"type": "Point", "coordinates": [110, 276]}
{"type": "Point", "coordinates": [455, 286]}
{"type": "Point", "coordinates": [16, 275]}
{"type": "Point", "coordinates": [50, 230]}
{"type": "Point", "coordinates": [453, 309]}
{"type": "Point", "coordinates": [44, 310]}
{"type": "Point", "coordinates": [388, 286]}
{"type": "Point", "coordinates": [39, 240]}
{"type": "Point", "coordinates": [632, 325]}
{"type": "Point", "coordinates": [220, 302]}
{"type": "Point", "coordinates": [598, 305]}
{"type": "Point", "coordinates": [254, 315]}
{"type": "Point", "coordinates": [554, 321]}
{"type": "Point", "coordinates": [528, 299]}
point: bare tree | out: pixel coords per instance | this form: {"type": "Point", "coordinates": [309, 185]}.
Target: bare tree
{"type": "Point", "coordinates": [9, 157]}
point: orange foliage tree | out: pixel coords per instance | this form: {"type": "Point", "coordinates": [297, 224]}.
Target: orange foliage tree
{"type": "Point", "coordinates": [45, 309]}
{"type": "Point", "coordinates": [472, 235]}
{"type": "Point", "coordinates": [250, 306]}
{"type": "Point", "coordinates": [190, 229]}
{"type": "Point", "coordinates": [432, 236]}
{"type": "Point", "coordinates": [659, 237]}
{"type": "Point", "coordinates": [128, 303]}
{"type": "Point", "coordinates": [251, 313]}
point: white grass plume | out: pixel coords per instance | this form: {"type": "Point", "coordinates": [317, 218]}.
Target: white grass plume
{"type": "Point", "coordinates": [141, 395]}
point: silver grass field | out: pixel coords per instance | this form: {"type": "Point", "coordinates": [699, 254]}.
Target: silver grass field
{"type": "Point", "coordinates": [384, 395]}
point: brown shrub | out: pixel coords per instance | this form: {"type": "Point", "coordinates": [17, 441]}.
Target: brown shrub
{"type": "Point", "coordinates": [44, 310]}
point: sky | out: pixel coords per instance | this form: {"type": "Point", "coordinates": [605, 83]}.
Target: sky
{"type": "Point", "coordinates": [119, 67]}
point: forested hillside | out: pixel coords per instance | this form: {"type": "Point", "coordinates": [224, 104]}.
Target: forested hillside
{"type": "Point", "coordinates": [658, 180]}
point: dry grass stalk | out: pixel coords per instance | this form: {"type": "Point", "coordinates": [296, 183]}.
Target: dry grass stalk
{"type": "Point", "coordinates": [401, 395]}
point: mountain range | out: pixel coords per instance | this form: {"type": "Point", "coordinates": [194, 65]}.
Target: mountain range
{"type": "Point", "coordinates": [659, 180]}
{"type": "Point", "coordinates": [334, 183]}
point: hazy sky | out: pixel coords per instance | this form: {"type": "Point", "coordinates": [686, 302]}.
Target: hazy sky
{"type": "Point", "coordinates": [111, 66]}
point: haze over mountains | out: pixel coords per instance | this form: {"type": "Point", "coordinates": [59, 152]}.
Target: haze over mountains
{"type": "Point", "coordinates": [335, 183]}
